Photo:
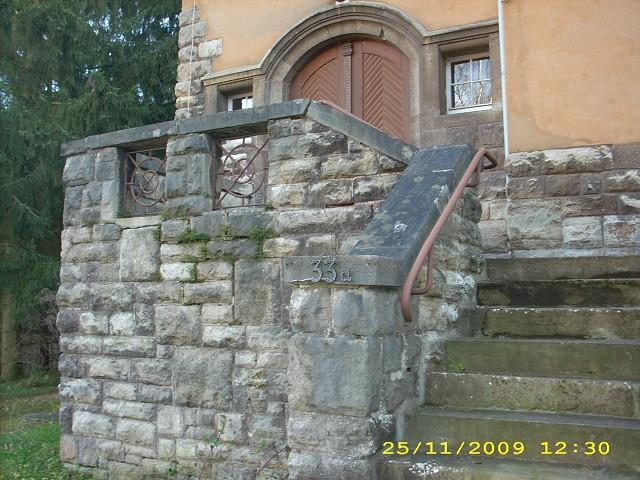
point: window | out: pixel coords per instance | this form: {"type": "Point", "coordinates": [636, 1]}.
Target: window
{"type": "Point", "coordinates": [468, 83]}
{"type": "Point", "coordinates": [239, 102]}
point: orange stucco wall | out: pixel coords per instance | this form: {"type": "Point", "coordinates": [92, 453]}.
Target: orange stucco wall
{"type": "Point", "coordinates": [249, 28]}
{"type": "Point", "coordinates": [573, 72]}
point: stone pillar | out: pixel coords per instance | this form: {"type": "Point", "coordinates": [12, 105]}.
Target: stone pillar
{"type": "Point", "coordinates": [189, 174]}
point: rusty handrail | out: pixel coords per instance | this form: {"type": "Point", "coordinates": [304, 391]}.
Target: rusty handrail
{"type": "Point", "coordinates": [476, 166]}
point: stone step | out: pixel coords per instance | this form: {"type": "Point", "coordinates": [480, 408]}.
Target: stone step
{"type": "Point", "coordinates": [431, 424]}
{"type": "Point", "coordinates": [553, 293]}
{"type": "Point", "coordinates": [487, 469]}
{"type": "Point", "coordinates": [580, 322]}
{"type": "Point", "coordinates": [606, 359]}
{"type": "Point", "coordinates": [504, 392]}
{"type": "Point", "coordinates": [519, 269]}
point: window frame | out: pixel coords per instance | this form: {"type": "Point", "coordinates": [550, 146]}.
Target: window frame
{"type": "Point", "coordinates": [448, 82]}
{"type": "Point", "coordinates": [231, 98]}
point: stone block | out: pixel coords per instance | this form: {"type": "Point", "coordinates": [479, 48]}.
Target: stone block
{"type": "Point", "coordinates": [177, 324]}
{"type": "Point", "coordinates": [622, 181]}
{"type": "Point", "coordinates": [582, 232]}
{"type": "Point", "coordinates": [286, 127]}
{"type": "Point", "coordinates": [130, 346]}
{"type": "Point", "coordinates": [223, 336]}
{"type": "Point", "coordinates": [562, 185]}
{"type": "Point", "coordinates": [203, 377]}
{"type": "Point", "coordinates": [220, 291]}
{"type": "Point", "coordinates": [72, 213]}
{"type": "Point", "coordinates": [523, 164]}
{"type": "Point", "coordinates": [112, 296]}
{"type": "Point", "coordinates": [120, 390]}
{"type": "Point", "coordinates": [287, 195]}
{"type": "Point", "coordinates": [494, 236]}
{"type": "Point", "coordinates": [492, 185]}
{"type": "Point", "coordinates": [79, 169]}
{"type": "Point", "coordinates": [576, 160]}
{"type": "Point", "coordinates": [189, 16]}
{"type": "Point", "coordinates": [233, 427]}
{"type": "Point", "coordinates": [170, 253]}
{"type": "Point", "coordinates": [155, 394]}
{"type": "Point", "coordinates": [210, 223]}
{"type": "Point", "coordinates": [365, 311]}
{"type": "Point", "coordinates": [93, 323]}
{"type": "Point", "coordinates": [172, 229]}
{"type": "Point", "coordinates": [590, 205]}
{"type": "Point", "coordinates": [194, 71]}
{"type": "Point", "coordinates": [282, 148]}
{"type": "Point", "coordinates": [210, 49]}
{"type": "Point", "coordinates": [80, 390]}
{"type": "Point", "coordinates": [310, 309]}
{"type": "Point", "coordinates": [68, 449]}
{"type": "Point", "coordinates": [80, 344]}
{"type": "Point", "coordinates": [258, 292]}
{"type": "Point", "coordinates": [534, 224]}
{"type": "Point", "coordinates": [336, 435]}
{"type": "Point", "coordinates": [192, 33]}
{"type": "Point", "coordinates": [525, 187]}
{"type": "Point", "coordinates": [68, 321]}
{"type": "Point", "coordinates": [74, 295]}
{"type": "Point", "coordinates": [104, 252]}
{"type": "Point", "coordinates": [217, 314]}
{"type": "Point", "coordinates": [126, 409]}
{"type": "Point", "coordinates": [281, 247]}
{"type": "Point", "coordinates": [245, 221]}
{"type": "Point", "coordinates": [93, 425]}
{"type": "Point", "coordinates": [181, 272]}
{"type": "Point", "coordinates": [171, 421]}
{"type": "Point", "coordinates": [151, 371]}
{"type": "Point", "coordinates": [325, 467]}
{"type": "Point", "coordinates": [621, 230]}
{"type": "Point", "coordinates": [334, 375]}
{"type": "Point", "coordinates": [320, 245]}
{"type": "Point", "coordinates": [190, 205]}
{"type": "Point", "coordinates": [105, 367]}
{"type": "Point", "coordinates": [590, 183]}
{"type": "Point", "coordinates": [265, 338]}
{"type": "Point", "coordinates": [111, 197]}
{"type": "Point", "coordinates": [139, 254]}
{"type": "Point", "coordinates": [367, 189]}
{"type": "Point", "coordinates": [92, 195]}
{"type": "Point", "coordinates": [331, 193]}
{"type": "Point", "coordinates": [320, 144]}
{"type": "Point", "coordinates": [324, 220]}
{"type": "Point", "coordinates": [629, 204]}
{"type": "Point", "coordinates": [158, 292]}
{"type": "Point", "coordinates": [303, 170]}
{"type": "Point", "coordinates": [136, 432]}
{"type": "Point", "coordinates": [351, 165]}
{"type": "Point", "coordinates": [215, 270]}
{"type": "Point", "coordinates": [626, 155]}
{"type": "Point", "coordinates": [122, 323]}
{"type": "Point", "coordinates": [106, 232]}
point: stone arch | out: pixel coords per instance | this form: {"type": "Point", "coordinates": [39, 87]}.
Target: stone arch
{"type": "Point", "coordinates": [361, 20]}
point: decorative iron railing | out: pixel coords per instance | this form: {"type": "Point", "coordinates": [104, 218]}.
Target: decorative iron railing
{"type": "Point", "coordinates": [240, 173]}
{"type": "Point", "coordinates": [144, 191]}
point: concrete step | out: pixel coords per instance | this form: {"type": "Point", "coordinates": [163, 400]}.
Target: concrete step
{"type": "Point", "coordinates": [580, 322]}
{"type": "Point", "coordinates": [532, 429]}
{"type": "Point", "coordinates": [553, 293]}
{"type": "Point", "coordinates": [519, 269]}
{"type": "Point", "coordinates": [505, 392]}
{"type": "Point", "coordinates": [487, 469]}
{"type": "Point", "coordinates": [605, 359]}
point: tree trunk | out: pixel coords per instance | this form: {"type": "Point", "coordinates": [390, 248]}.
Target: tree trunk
{"type": "Point", "coordinates": [9, 341]}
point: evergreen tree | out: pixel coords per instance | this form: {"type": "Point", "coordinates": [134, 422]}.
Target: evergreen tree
{"type": "Point", "coordinates": [68, 69]}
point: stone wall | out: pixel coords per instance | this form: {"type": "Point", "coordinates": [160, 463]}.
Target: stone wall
{"type": "Point", "coordinates": [185, 353]}
{"type": "Point", "coordinates": [576, 199]}
{"type": "Point", "coordinates": [195, 57]}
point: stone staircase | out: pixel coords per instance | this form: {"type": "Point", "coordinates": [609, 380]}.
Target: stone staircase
{"type": "Point", "coordinates": [555, 358]}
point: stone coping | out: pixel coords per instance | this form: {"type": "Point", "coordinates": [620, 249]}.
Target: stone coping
{"type": "Point", "coordinates": [251, 121]}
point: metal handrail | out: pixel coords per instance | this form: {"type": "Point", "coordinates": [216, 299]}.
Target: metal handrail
{"type": "Point", "coordinates": [476, 166]}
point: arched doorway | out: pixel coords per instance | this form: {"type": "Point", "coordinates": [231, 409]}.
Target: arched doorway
{"type": "Point", "coordinates": [366, 77]}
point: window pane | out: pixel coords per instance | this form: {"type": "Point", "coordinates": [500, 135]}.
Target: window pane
{"type": "Point", "coordinates": [247, 102]}
{"type": "Point", "coordinates": [461, 96]}
{"type": "Point", "coordinates": [481, 92]}
{"type": "Point", "coordinates": [460, 72]}
{"type": "Point", "coordinates": [236, 104]}
{"type": "Point", "coordinates": [480, 70]}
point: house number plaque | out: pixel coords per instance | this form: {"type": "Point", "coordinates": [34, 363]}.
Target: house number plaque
{"type": "Point", "coordinates": [325, 269]}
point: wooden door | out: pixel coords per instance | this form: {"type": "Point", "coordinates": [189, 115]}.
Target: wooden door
{"type": "Point", "coordinates": [366, 77]}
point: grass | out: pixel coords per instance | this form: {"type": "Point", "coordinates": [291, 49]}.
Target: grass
{"type": "Point", "coordinates": [29, 430]}
{"type": "Point", "coordinates": [190, 236]}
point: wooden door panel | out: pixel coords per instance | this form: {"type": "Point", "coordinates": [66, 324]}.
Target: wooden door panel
{"type": "Point", "coordinates": [321, 79]}
{"type": "Point", "coordinates": [367, 77]}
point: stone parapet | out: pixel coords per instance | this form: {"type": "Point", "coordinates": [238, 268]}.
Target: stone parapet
{"type": "Point", "coordinates": [212, 343]}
